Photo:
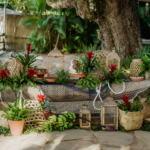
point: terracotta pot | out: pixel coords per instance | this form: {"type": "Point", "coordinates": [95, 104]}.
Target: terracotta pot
{"type": "Point", "coordinates": [78, 75]}
{"type": "Point", "coordinates": [137, 79]}
{"type": "Point", "coordinates": [50, 79]}
{"type": "Point", "coordinates": [16, 127]}
{"type": "Point", "coordinates": [41, 74]}
{"type": "Point", "coordinates": [47, 113]}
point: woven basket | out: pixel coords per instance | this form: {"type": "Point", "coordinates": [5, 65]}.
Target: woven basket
{"type": "Point", "coordinates": [1, 64]}
{"type": "Point", "coordinates": [36, 113]}
{"type": "Point", "coordinates": [134, 67]}
{"type": "Point", "coordinates": [131, 120]}
{"type": "Point", "coordinates": [101, 57]}
{"type": "Point", "coordinates": [146, 111]}
{"type": "Point", "coordinates": [14, 69]}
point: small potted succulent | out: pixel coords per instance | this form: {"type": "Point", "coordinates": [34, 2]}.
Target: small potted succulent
{"type": "Point", "coordinates": [130, 114]}
{"type": "Point", "coordinates": [76, 69]}
{"type": "Point", "coordinates": [41, 72]}
{"type": "Point", "coordinates": [16, 116]}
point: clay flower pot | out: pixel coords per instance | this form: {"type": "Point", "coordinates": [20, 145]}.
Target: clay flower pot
{"type": "Point", "coordinates": [16, 127]}
{"type": "Point", "coordinates": [78, 75]}
{"type": "Point", "coordinates": [50, 79]}
{"type": "Point", "coordinates": [137, 78]}
{"type": "Point", "coordinates": [41, 73]}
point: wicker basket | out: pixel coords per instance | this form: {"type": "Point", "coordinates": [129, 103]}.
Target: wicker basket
{"type": "Point", "coordinates": [131, 120]}
{"type": "Point", "coordinates": [1, 64]}
{"type": "Point", "coordinates": [134, 67]}
{"type": "Point", "coordinates": [101, 57]}
{"type": "Point", "coordinates": [146, 111]}
{"type": "Point", "coordinates": [12, 68]}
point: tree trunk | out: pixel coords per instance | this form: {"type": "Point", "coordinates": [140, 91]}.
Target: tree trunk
{"type": "Point", "coordinates": [118, 21]}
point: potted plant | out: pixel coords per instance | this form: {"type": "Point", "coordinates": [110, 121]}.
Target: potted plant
{"type": "Point", "coordinates": [16, 116]}
{"type": "Point", "coordinates": [130, 114]}
{"type": "Point", "coordinates": [45, 106]}
{"type": "Point", "coordinates": [76, 69]}
{"type": "Point", "coordinates": [41, 72]}
{"type": "Point", "coordinates": [89, 62]}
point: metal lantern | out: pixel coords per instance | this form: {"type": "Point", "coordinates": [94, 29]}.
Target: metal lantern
{"type": "Point", "coordinates": [112, 58]}
{"type": "Point", "coordinates": [85, 113]}
{"type": "Point", "coordinates": [55, 53]}
{"type": "Point", "coordinates": [109, 113]}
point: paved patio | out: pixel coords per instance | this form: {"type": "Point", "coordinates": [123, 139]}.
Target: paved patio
{"type": "Point", "coordinates": [78, 140]}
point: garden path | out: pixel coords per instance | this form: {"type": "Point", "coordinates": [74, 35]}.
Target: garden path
{"type": "Point", "coordinates": [78, 140]}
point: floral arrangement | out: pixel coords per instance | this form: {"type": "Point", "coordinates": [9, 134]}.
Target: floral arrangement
{"type": "Point", "coordinates": [31, 72]}
{"type": "Point", "coordinates": [113, 75]}
{"type": "Point", "coordinates": [78, 66]}
{"type": "Point", "coordinates": [41, 99]}
{"type": "Point", "coordinates": [128, 106]}
{"type": "Point", "coordinates": [89, 62]}
{"type": "Point", "coordinates": [26, 59]}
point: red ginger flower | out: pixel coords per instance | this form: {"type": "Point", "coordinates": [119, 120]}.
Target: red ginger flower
{"type": "Point", "coordinates": [89, 55]}
{"type": "Point", "coordinates": [31, 72]}
{"type": "Point", "coordinates": [113, 67]}
{"type": "Point", "coordinates": [41, 97]}
{"type": "Point", "coordinates": [3, 73]}
{"type": "Point", "coordinates": [126, 99]}
{"type": "Point", "coordinates": [28, 48]}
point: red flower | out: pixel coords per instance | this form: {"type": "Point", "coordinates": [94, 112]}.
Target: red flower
{"type": "Point", "coordinates": [31, 72]}
{"type": "Point", "coordinates": [28, 48]}
{"type": "Point", "coordinates": [41, 97]}
{"type": "Point", "coordinates": [113, 67]}
{"type": "Point", "coordinates": [3, 73]}
{"type": "Point", "coordinates": [126, 99]}
{"type": "Point", "coordinates": [89, 55]}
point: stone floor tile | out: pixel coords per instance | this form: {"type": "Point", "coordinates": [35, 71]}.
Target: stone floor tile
{"type": "Point", "coordinates": [118, 139]}
{"type": "Point", "coordinates": [144, 138]}
{"type": "Point", "coordinates": [69, 135]}
{"type": "Point", "coordinates": [73, 145]}
{"type": "Point", "coordinates": [22, 146]}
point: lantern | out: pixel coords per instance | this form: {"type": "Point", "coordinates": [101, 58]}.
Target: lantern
{"type": "Point", "coordinates": [134, 67]}
{"type": "Point", "coordinates": [109, 113]}
{"type": "Point", "coordinates": [101, 57]}
{"type": "Point", "coordinates": [55, 53]}
{"type": "Point", "coordinates": [14, 66]}
{"type": "Point", "coordinates": [85, 113]}
{"type": "Point", "coordinates": [112, 58]}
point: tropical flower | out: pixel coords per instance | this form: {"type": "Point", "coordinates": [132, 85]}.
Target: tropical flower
{"type": "Point", "coordinates": [3, 73]}
{"type": "Point", "coordinates": [89, 55]}
{"type": "Point", "coordinates": [41, 97]}
{"type": "Point", "coordinates": [126, 99]}
{"type": "Point", "coordinates": [28, 48]}
{"type": "Point", "coordinates": [31, 72]}
{"type": "Point", "coordinates": [112, 68]}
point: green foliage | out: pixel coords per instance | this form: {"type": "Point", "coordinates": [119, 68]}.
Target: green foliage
{"type": "Point", "coordinates": [145, 66]}
{"type": "Point", "coordinates": [145, 128]}
{"type": "Point", "coordinates": [15, 113]}
{"type": "Point", "coordinates": [59, 123]}
{"type": "Point", "coordinates": [89, 82]}
{"type": "Point", "coordinates": [43, 105]}
{"type": "Point", "coordinates": [118, 76]}
{"type": "Point", "coordinates": [125, 62]}
{"type": "Point", "coordinates": [133, 107]}
{"type": "Point", "coordinates": [121, 128]}
{"type": "Point", "coordinates": [96, 128]}
{"type": "Point", "coordinates": [91, 48]}
{"type": "Point", "coordinates": [62, 77]}
{"type": "Point", "coordinates": [148, 99]}
{"type": "Point", "coordinates": [4, 131]}
{"type": "Point", "coordinates": [27, 61]}
{"type": "Point", "coordinates": [89, 66]}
